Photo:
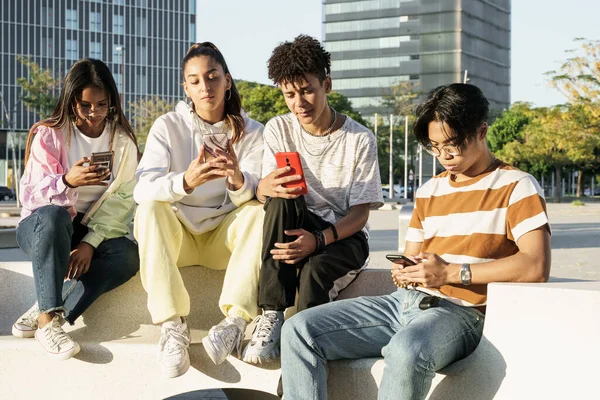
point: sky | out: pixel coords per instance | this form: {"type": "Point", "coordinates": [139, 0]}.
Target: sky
{"type": "Point", "coordinates": [246, 31]}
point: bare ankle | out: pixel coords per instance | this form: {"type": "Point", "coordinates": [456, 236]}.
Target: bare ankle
{"type": "Point", "coordinates": [45, 318]}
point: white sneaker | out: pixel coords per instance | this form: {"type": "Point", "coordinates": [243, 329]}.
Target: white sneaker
{"type": "Point", "coordinates": [56, 341]}
{"type": "Point", "coordinates": [173, 348]}
{"type": "Point", "coordinates": [223, 338]}
{"type": "Point", "coordinates": [27, 323]}
{"type": "Point", "coordinates": [266, 338]}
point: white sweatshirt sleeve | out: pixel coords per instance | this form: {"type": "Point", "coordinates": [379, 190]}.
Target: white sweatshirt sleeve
{"type": "Point", "coordinates": [154, 181]}
{"type": "Point", "coordinates": [250, 154]}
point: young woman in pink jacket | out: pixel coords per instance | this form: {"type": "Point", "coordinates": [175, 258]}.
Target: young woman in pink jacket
{"type": "Point", "coordinates": [76, 214]}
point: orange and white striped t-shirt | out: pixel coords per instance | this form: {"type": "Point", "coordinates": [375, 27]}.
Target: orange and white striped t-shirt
{"type": "Point", "coordinates": [476, 221]}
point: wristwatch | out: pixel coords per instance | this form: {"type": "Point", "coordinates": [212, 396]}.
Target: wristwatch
{"type": "Point", "coordinates": [465, 274]}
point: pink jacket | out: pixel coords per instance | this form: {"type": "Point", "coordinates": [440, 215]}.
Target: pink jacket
{"type": "Point", "coordinates": [42, 182]}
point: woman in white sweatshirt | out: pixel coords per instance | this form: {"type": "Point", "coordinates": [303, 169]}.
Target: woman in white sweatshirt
{"type": "Point", "coordinates": [196, 182]}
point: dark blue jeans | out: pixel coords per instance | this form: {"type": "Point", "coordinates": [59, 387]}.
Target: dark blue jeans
{"type": "Point", "coordinates": [47, 236]}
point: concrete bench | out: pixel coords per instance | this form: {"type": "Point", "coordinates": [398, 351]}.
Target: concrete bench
{"type": "Point", "coordinates": [540, 341]}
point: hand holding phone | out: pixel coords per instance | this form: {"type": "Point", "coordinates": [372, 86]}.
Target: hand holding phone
{"type": "Point", "coordinates": [292, 160]}
{"type": "Point", "coordinates": [400, 261]}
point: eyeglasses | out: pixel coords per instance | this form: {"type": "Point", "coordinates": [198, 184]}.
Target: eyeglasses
{"type": "Point", "coordinates": [87, 109]}
{"type": "Point", "coordinates": [449, 149]}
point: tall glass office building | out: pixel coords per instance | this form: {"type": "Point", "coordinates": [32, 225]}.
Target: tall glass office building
{"type": "Point", "coordinates": [142, 41]}
{"type": "Point", "coordinates": [375, 44]}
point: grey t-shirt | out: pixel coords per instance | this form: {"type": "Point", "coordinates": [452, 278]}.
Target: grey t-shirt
{"type": "Point", "coordinates": [341, 169]}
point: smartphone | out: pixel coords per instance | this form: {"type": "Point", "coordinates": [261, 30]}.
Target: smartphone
{"type": "Point", "coordinates": [292, 159]}
{"type": "Point", "coordinates": [397, 257]}
{"type": "Point", "coordinates": [105, 160]}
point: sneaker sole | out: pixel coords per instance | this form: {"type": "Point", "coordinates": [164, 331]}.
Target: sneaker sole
{"type": "Point", "coordinates": [174, 372]}
{"type": "Point", "coordinates": [212, 351]}
{"type": "Point", "coordinates": [27, 334]}
{"type": "Point", "coordinates": [257, 360]}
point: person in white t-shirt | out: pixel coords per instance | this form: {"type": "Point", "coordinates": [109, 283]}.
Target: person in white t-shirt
{"type": "Point", "coordinates": [323, 233]}
{"type": "Point", "coordinates": [76, 215]}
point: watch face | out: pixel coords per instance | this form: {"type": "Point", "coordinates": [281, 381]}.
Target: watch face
{"type": "Point", "coordinates": [465, 276]}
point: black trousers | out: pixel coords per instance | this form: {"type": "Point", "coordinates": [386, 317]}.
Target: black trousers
{"type": "Point", "coordinates": [320, 276]}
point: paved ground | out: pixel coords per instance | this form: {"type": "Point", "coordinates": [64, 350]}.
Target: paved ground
{"type": "Point", "coordinates": [575, 238]}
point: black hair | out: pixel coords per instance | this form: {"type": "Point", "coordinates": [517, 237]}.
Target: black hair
{"type": "Point", "coordinates": [233, 103]}
{"type": "Point", "coordinates": [462, 107]}
{"type": "Point", "coordinates": [82, 74]}
{"type": "Point", "coordinates": [291, 61]}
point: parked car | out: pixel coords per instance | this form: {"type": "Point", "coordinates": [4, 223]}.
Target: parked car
{"type": "Point", "coordinates": [6, 193]}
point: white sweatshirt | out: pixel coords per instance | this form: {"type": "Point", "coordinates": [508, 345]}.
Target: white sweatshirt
{"type": "Point", "coordinates": [173, 142]}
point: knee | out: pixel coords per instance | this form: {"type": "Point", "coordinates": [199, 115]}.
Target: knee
{"type": "Point", "coordinates": [54, 218]}
{"type": "Point", "coordinates": [314, 269]}
{"type": "Point", "coordinates": [294, 331]}
{"type": "Point", "coordinates": [404, 352]}
{"type": "Point", "coordinates": [131, 260]}
{"type": "Point", "coordinates": [277, 205]}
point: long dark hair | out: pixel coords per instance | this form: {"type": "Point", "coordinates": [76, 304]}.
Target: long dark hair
{"type": "Point", "coordinates": [82, 74]}
{"type": "Point", "coordinates": [233, 103]}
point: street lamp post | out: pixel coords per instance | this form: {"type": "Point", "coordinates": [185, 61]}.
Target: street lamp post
{"type": "Point", "coordinates": [122, 50]}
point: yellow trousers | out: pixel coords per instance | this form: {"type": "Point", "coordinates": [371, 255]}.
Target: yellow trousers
{"type": "Point", "coordinates": [165, 245]}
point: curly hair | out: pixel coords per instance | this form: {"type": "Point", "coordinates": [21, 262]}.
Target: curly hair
{"type": "Point", "coordinates": [291, 61]}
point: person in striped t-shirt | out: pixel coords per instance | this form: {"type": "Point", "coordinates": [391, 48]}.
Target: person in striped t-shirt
{"type": "Point", "coordinates": [479, 221]}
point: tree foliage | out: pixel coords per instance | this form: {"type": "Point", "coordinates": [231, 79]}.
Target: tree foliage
{"type": "Point", "coordinates": [143, 114]}
{"type": "Point", "coordinates": [40, 88]}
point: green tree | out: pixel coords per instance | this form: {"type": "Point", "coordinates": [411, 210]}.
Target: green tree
{"type": "Point", "coordinates": [343, 105]}
{"type": "Point", "coordinates": [403, 99]}
{"type": "Point", "coordinates": [578, 79]}
{"type": "Point", "coordinates": [143, 114]}
{"type": "Point", "coordinates": [509, 126]}
{"type": "Point", "coordinates": [40, 88]}
{"type": "Point", "coordinates": [261, 102]}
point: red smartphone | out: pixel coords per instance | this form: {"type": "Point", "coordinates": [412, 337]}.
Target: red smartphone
{"type": "Point", "coordinates": [397, 257]}
{"type": "Point", "coordinates": [292, 159]}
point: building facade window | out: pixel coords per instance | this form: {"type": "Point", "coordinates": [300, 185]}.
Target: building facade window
{"type": "Point", "coordinates": [192, 9]}
{"type": "Point", "coordinates": [71, 19]}
{"type": "Point", "coordinates": [118, 24]}
{"type": "Point", "coordinates": [362, 25]}
{"type": "Point", "coordinates": [47, 48]}
{"type": "Point", "coordinates": [119, 2]}
{"type": "Point", "coordinates": [192, 32]}
{"type": "Point", "coordinates": [367, 44]}
{"type": "Point", "coordinates": [141, 54]}
{"type": "Point", "coordinates": [119, 81]}
{"type": "Point", "coordinates": [360, 6]}
{"type": "Point", "coordinates": [95, 22]}
{"type": "Point", "coordinates": [96, 50]}
{"type": "Point", "coordinates": [47, 16]}
{"type": "Point", "coordinates": [141, 26]}
{"type": "Point", "coordinates": [71, 52]}
{"type": "Point", "coordinates": [363, 83]}
{"type": "Point", "coordinates": [365, 63]}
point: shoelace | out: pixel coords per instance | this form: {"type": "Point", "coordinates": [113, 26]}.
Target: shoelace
{"type": "Point", "coordinates": [30, 318]}
{"type": "Point", "coordinates": [57, 337]}
{"type": "Point", "coordinates": [175, 339]}
{"type": "Point", "coordinates": [266, 325]}
{"type": "Point", "coordinates": [231, 333]}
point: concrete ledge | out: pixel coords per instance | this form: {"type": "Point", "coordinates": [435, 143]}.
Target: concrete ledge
{"type": "Point", "coordinates": [540, 341]}
{"type": "Point", "coordinates": [8, 238]}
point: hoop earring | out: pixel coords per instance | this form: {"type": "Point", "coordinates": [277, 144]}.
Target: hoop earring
{"type": "Point", "coordinates": [228, 98]}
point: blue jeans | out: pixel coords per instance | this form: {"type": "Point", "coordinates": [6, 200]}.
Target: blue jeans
{"type": "Point", "coordinates": [414, 343]}
{"type": "Point", "coordinates": [47, 236]}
